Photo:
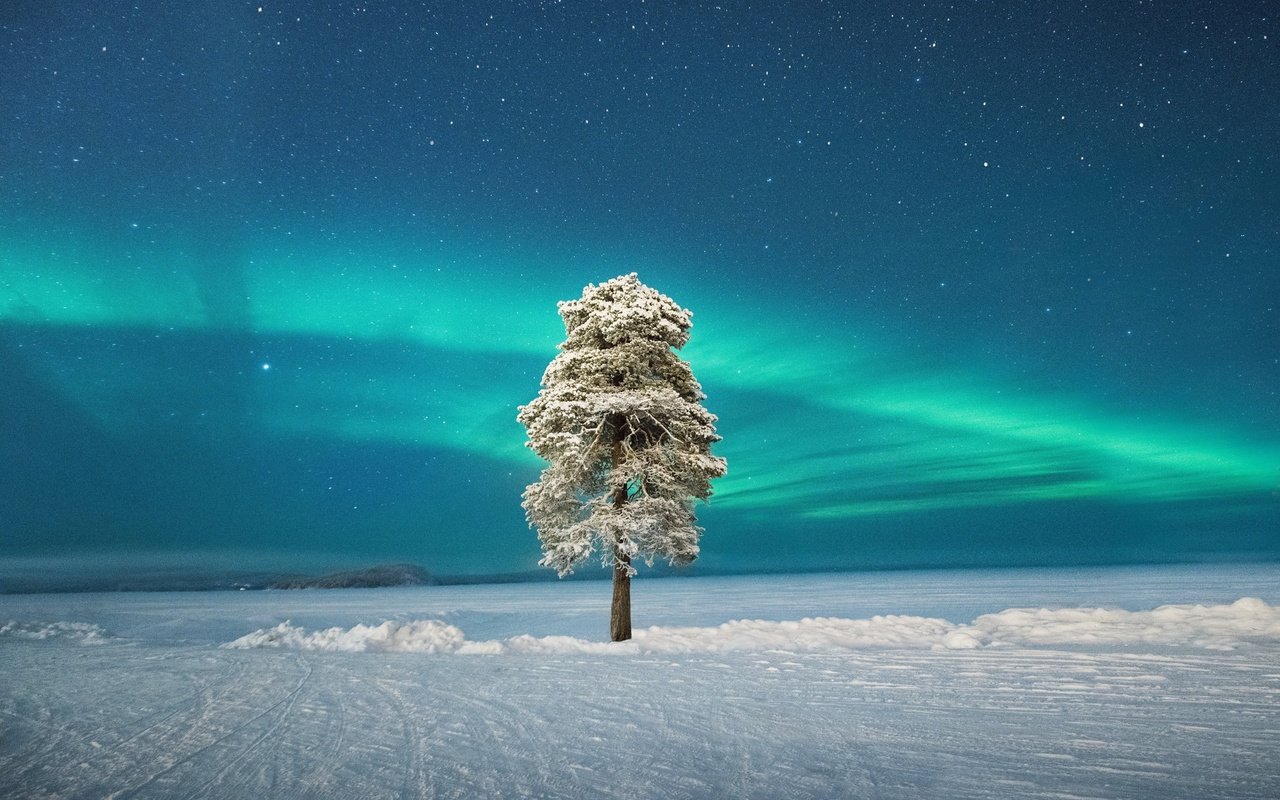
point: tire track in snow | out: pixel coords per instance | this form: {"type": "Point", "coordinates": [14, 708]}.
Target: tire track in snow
{"type": "Point", "coordinates": [416, 781]}
{"type": "Point", "coordinates": [285, 707]}
{"type": "Point", "coordinates": [207, 714]}
{"type": "Point", "coordinates": [102, 747]}
{"type": "Point", "coordinates": [182, 729]}
{"type": "Point", "coordinates": [329, 765]}
{"type": "Point", "coordinates": [229, 676]}
{"type": "Point", "coordinates": [43, 754]}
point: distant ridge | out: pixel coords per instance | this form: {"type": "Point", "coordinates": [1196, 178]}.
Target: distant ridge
{"type": "Point", "coordinates": [176, 579]}
{"type": "Point", "coordinates": [186, 580]}
{"type": "Point", "coordinates": [371, 578]}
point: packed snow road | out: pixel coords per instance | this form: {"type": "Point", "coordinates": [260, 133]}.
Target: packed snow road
{"type": "Point", "coordinates": [130, 696]}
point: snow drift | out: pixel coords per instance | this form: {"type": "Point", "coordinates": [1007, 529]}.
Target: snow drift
{"type": "Point", "coordinates": [1220, 627]}
{"type": "Point", "coordinates": [82, 631]}
{"type": "Point", "coordinates": [419, 636]}
{"type": "Point", "coordinates": [1214, 627]}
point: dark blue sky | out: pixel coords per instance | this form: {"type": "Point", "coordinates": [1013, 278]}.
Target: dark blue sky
{"type": "Point", "coordinates": [973, 283]}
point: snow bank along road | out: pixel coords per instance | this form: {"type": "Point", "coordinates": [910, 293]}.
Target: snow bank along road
{"type": "Point", "coordinates": [136, 699]}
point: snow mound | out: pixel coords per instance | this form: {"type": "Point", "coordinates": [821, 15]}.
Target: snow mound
{"type": "Point", "coordinates": [430, 636]}
{"type": "Point", "coordinates": [1222, 627]}
{"type": "Point", "coordinates": [820, 633]}
{"type": "Point", "coordinates": [1211, 627]}
{"type": "Point", "coordinates": [419, 636]}
{"type": "Point", "coordinates": [85, 632]}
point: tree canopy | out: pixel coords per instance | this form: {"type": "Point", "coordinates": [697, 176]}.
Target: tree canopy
{"type": "Point", "coordinates": [620, 420]}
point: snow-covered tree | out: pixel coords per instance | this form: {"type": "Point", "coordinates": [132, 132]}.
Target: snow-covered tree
{"type": "Point", "coordinates": [629, 445]}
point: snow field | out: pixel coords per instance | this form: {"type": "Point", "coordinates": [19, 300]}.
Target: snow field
{"type": "Point", "coordinates": [381, 694]}
{"type": "Point", "coordinates": [126, 721]}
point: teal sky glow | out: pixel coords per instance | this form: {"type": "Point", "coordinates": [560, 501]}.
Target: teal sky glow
{"type": "Point", "coordinates": [967, 290]}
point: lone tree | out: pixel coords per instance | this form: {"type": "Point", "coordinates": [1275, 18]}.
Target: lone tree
{"type": "Point", "coordinates": [629, 445]}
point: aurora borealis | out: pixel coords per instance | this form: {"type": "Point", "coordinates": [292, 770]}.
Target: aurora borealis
{"type": "Point", "coordinates": [970, 287]}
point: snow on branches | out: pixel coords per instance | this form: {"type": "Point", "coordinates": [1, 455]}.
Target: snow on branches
{"type": "Point", "coordinates": [620, 421]}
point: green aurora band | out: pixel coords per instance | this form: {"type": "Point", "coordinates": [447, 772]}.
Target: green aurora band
{"type": "Point", "coordinates": [835, 427]}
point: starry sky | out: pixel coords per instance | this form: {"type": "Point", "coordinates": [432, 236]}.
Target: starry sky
{"type": "Point", "coordinates": [974, 284]}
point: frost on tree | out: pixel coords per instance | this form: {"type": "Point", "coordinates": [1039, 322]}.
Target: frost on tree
{"type": "Point", "coordinates": [629, 445]}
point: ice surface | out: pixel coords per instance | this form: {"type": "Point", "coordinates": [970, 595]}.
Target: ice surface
{"type": "Point", "coordinates": [984, 685]}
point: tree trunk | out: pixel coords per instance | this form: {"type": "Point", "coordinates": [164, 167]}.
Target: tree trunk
{"type": "Point", "coordinates": [620, 614]}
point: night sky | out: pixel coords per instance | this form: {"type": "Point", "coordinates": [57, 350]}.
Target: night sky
{"type": "Point", "coordinates": [973, 283]}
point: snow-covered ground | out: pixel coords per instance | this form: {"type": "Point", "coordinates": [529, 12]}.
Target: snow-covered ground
{"type": "Point", "coordinates": [1161, 683]}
